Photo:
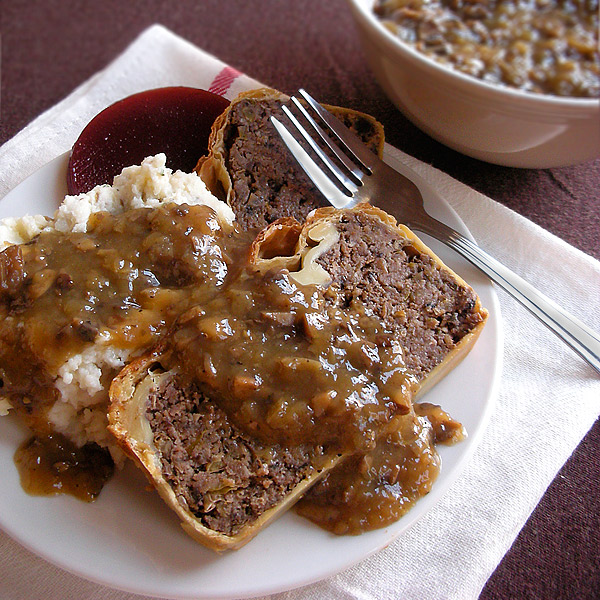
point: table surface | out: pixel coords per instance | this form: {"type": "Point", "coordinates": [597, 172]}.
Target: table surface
{"type": "Point", "coordinates": [50, 47]}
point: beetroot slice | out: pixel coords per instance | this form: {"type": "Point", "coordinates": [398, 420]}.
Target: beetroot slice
{"type": "Point", "coordinates": [173, 120]}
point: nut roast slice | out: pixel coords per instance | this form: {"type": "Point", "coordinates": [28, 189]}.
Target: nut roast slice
{"type": "Point", "coordinates": [366, 259]}
{"type": "Point", "coordinates": [223, 484]}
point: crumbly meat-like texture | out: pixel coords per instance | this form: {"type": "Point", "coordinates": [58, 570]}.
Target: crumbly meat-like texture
{"type": "Point", "coordinates": [424, 306]}
{"type": "Point", "coordinates": [226, 478]}
{"type": "Point", "coordinates": [267, 182]}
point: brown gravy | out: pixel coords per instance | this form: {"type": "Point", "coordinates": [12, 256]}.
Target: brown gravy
{"type": "Point", "coordinates": [289, 368]}
{"type": "Point", "coordinates": [51, 464]}
{"type": "Point", "coordinates": [124, 281]}
{"type": "Point", "coordinates": [375, 489]}
{"type": "Point", "coordinates": [279, 358]}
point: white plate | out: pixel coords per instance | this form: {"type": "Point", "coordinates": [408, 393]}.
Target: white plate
{"type": "Point", "coordinates": [128, 539]}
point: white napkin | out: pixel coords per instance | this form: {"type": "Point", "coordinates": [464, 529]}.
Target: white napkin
{"type": "Point", "coordinates": [548, 398]}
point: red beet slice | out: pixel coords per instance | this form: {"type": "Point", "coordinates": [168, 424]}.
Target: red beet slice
{"type": "Point", "coordinates": [173, 120]}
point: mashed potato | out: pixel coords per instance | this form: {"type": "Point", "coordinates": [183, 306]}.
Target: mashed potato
{"type": "Point", "coordinates": [84, 378]}
{"type": "Point", "coordinates": [146, 185]}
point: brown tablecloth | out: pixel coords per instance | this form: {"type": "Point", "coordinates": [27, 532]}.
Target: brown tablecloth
{"type": "Point", "coordinates": [48, 48]}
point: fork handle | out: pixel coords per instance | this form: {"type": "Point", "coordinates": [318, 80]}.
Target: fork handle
{"type": "Point", "coordinates": [573, 332]}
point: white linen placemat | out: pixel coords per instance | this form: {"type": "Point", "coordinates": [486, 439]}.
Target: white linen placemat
{"type": "Point", "coordinates": [452, 551]}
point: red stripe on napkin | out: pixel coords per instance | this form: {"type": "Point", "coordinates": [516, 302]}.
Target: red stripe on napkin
{"type": "Point", "coordinates": [222, 82]}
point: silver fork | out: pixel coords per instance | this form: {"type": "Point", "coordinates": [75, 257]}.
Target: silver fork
{"type": "Point", "coordinates": [360, 176]}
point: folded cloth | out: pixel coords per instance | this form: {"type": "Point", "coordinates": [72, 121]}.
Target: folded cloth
{"type": "Point", "coordinates": [547, 400]}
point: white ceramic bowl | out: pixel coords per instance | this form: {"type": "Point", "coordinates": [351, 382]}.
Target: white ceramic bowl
{"type": "Point", "coordinates": [492, 123]}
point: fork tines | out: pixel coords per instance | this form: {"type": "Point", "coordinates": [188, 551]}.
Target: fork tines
{"type": "Point", "coordinates": [329, 151]}
{"type": "Point", "coordinates": [349, 141]}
